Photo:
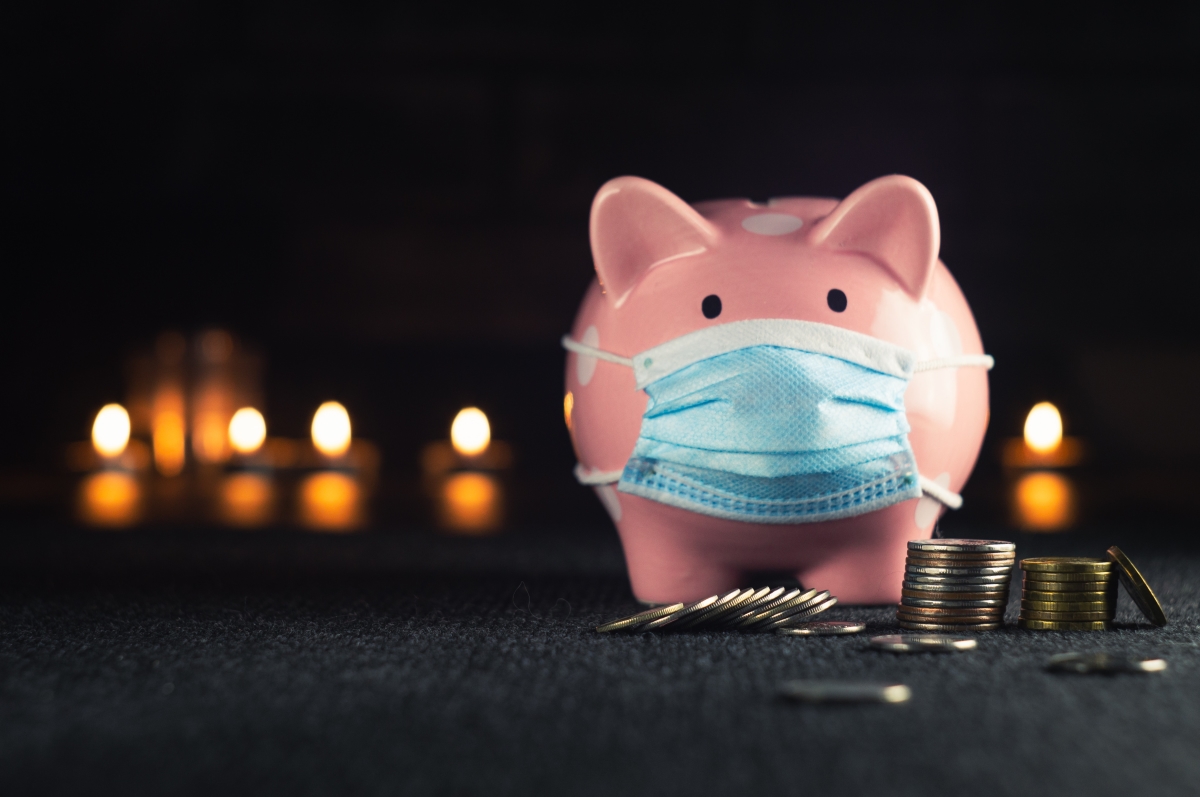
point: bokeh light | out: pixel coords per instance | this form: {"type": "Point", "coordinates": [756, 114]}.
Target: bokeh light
{"type": "Point", "coordinates": [247, 499]}
{"type": "Point", "coordinates": [247, 430]}
{"type": "Point", "coordinates": [331, 501]}
{"type": "Point", "coordinates": [470, 433]}
{"type": "Point", "coordinates": [1045, 501]}
{"type": "Point", "coordinates": [331, 429]}
{"type": "Point", "coordinates": [1043, 428]}
{"type": "Point", "coordinates": [470, 502]}
{"type": "Point", "coordinates": [110, 431]}
{"type": "Point", "coordinates": [110, 498]}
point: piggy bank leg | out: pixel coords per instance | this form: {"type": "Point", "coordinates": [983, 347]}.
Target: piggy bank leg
{"type": "Point", "coordinates": [665, 554]}
{"type": "Point", "coordinates": [861, 559]}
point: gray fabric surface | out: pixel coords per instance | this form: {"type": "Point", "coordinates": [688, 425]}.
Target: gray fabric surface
{"type": "Point", "coordinates": [410, 664]}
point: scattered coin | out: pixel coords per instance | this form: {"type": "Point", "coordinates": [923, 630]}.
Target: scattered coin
{"type": "Point", "coordinates": [962, 546]}
{"type": "Point", "coordinates": [911, 626]}
{"type": "Point", "coordinates": [633, 621]}
{"type": "Point", "coordinates": [922, 643]}
{"type": "Point", "coordinates": [682, 614]}
{"type": "Point", "coordinates": [844, 692]}
{"type": "Point", "coordinates": [1062, 625]}
{"type": "Point", "coordinates": [1135, 584]}
{"type": "Point", "coordinates": [1066, 564]}
{"type": "Point", "coordinates": [1102, 663]}
{"type": "Point", "coordinates": [823, 628]}
{"type": "Point", "coordinates": [726, 603]}
{"type": "Point", "coordinates": [795, 605]}
{"type": "Point", "coordinates": [788, 620]}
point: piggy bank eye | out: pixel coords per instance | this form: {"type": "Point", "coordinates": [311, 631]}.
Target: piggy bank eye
{"type": "Point", "coordinates": [837, 300]}
{"type": "Point", "coordinates": [711, 306]}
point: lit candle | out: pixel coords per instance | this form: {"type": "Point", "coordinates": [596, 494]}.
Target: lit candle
{"type": "Point", "coordinates": [331, 429]}
{"type": "Point", "coordinates": [247, 431]}
{"type": "Point", "coordinates": [110, 431]}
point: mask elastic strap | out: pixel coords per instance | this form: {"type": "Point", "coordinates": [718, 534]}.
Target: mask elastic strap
{"type": "Point", "coordinates": [937, 492]}
{"type": "Point", "coordinates": [592, 351]}
{"type": "Point", "coordinates": [961, 361]}
{"type": "Point", "coordinates": [594, 478]}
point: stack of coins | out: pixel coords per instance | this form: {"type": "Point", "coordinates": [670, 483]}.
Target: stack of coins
{"type": "Point", "coordinates": [955, 585]}
{"type": "Point", "coordinates": [763, 609]}
{"type": "Point", "coordinates": [1068, 593]}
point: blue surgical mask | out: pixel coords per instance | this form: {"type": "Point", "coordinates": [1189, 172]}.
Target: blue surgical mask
{"type": "Point", "coordinates": [775, 421]}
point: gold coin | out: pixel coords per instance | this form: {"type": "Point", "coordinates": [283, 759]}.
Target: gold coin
{"type": "Point", "coordinates": [1137, 588]}
{"type": "Point", "coordinates": [1063, 606]}
{"type": "Point", "coordinates": [951, 610]}
{"type": "Point", "coordinates": [1069, 597]}
{"type": "Point", "coordinates": [947, 626]}
{"type": "Point", "coordinates": [1070, 617]}
{"type": "Point", "coordinates": [1067, 578]}
{"type": "Point", "coordinates": [1057, 625]}
{"type": "Point", "coordinates": [1066, 564]}
{"type": "Point", "coordinates": [965, 595]}
{"type": "Point", "coordinates": [1069, 586]}
{"type": "Point", "coordinates": [635, 620]}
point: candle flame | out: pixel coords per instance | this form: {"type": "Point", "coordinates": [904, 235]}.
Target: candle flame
{"type": "Point", "coordinates": [470, 433]}
{"type": "Point", "coordinates": [331, 429]}
{"type": "Point", "coordinates": [110, 431]}
{"type": "Point", "coordinates": [1043, 428]}
{"type": "Point", "coordinates": [247, 430]}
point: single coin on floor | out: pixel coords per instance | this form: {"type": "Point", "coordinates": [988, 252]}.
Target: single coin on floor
{"type": "Point", "coordinates": [922, 643]}
{"type": "Point", "coordinates": [823, 628]}
{"type": "Point", "coordinates": [1137, 587]}
{"type": "Point", "coordinates": [844, 692]}
{"type": "Point", "coordinates": [1106, 663]}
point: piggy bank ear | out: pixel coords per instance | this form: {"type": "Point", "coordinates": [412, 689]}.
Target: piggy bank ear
{"type": "Point", "coordinates": [637, 225]}
{"type": "Point", "coordinates": [892, 220]}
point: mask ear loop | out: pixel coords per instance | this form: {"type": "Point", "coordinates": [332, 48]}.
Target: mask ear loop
{"type": "Point", "coordinates": [939, 493]}
{"type": "Point", "coordinates": [600, 354]}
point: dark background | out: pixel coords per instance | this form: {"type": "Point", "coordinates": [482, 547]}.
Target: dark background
{"type": "Point", "coordinates": [390, 201]}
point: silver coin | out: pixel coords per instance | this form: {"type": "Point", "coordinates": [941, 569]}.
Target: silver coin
{"type": "Point", "coordinates": [923, 570]}
{"type": "Point", "coordinates": [961, 580]}
{"type": "Point", "coordinates": [1102, 663]}
{"type": "Point", "coordinates": [956, 604]}
{"type": "Point", "coordinates": [776, 598]}
{"type": "Point", "coordinates": [983, 588]}
{"type": "Point", "coordinates": [798, 605]}
{"type": "Point", "coordinates": [922, 643]}
{"type": "Point", "coordinates": [781, 622]}
{"type": "Point", "coordinates": [844, 692]}
{"type": "Point", "coordinates": [822, 628]}
{"type": "Point", "coordinates": [723, 604]}
{"type": "Point", "coordinates": [754, 600]}
{"type": "Point", "coordinates": [685, 612]}
{"type": "Point", "coordinates": [641, 618]}
{"type": "Point", "coordinates": [963, 546]}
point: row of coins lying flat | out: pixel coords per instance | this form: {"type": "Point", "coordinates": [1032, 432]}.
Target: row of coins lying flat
{"type": "Point", "coordinates": [762, 609]}
{"type": "Point", "coordinates": [955, 585]}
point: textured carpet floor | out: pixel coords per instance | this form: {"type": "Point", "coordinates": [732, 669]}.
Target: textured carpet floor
{"type": "Point", "coordinates": [415, 665]}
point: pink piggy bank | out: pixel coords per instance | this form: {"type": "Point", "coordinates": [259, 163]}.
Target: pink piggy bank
{"type": "Point", "coordinates": [798, 386]}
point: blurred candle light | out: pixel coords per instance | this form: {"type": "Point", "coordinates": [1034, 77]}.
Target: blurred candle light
{"type": "Point", "coordinates": [331, 501]}
{"type": "Point", "coordinates": [1043, 428]}
{"type": "Point", "coordinates": [110, 431]}
{"type": "Point", "coordinates": [169, 438]}
{"type": "Point", "coordinates": [246, 499]}
{"type": "Point", "coordinates": [1045, 501]}
{"type": "Point", "coordinates": [247, 430]}
{"type": "Point", "coordinates": [470, 502]}
{"type": "Point", "coordinates": [110, 498]}
{"type": "Point", "coordinates": [568, 406]}
{"type": "Point", "coordinates": [331, 429]}
{"type": "Point", "coordinates": [470, 433]}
